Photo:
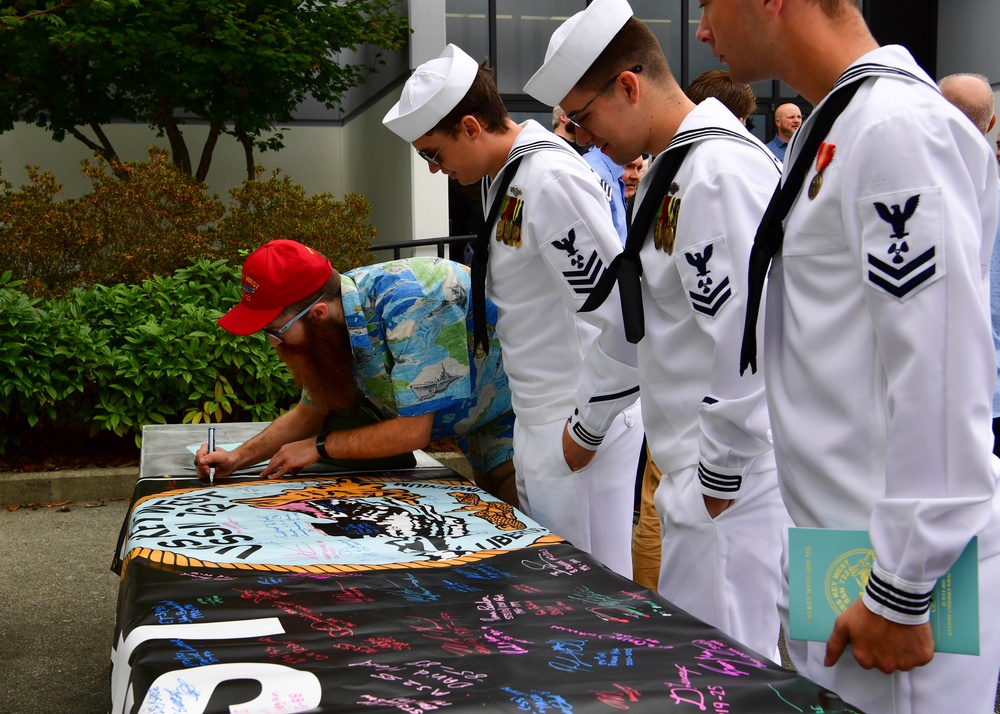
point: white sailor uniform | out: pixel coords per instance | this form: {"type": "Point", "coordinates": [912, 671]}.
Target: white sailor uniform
{"type": "Point", "coordinates": [880, 369]}
{"type": "Point", "coordinates": [551, 244]}
{"type": "Point", "coordinates": [707, 426]}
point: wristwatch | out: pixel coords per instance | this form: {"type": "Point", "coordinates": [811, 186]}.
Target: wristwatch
{"type": "Point", "coordinates": [321, 445]}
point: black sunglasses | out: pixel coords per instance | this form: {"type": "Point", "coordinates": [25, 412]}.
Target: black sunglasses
{"type": "Point", "coordinates": [433, 160]}
{"type": "Point", "coordinates": [572, 118]}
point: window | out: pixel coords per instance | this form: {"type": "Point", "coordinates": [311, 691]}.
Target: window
{"type": "Point", "coordinates": [521, 30]}
{"type": "Point", "coordinates": [466, 26]}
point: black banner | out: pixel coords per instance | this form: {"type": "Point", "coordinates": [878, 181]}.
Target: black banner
{"type": "Point", "coordinates": [402, 596]}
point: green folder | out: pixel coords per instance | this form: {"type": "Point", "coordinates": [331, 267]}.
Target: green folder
{"type": "Point", "coordinates": [829, 569]}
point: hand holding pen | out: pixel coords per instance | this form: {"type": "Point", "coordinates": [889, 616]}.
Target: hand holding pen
{"type": "Point", "coordinates": [211, 461]}
{"type": "Point", "coordinates": [211, 449]}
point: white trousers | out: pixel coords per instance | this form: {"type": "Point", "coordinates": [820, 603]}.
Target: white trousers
{"type": "Point", "coordinates": [593, 507]}
{"type": "Point", "coordinates": [725, 571]}
{"type": "Point", "coordinates": [950, 683]}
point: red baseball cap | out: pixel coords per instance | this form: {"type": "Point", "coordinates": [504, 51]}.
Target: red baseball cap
{"type": "Point", "coordinates": [276, 275]}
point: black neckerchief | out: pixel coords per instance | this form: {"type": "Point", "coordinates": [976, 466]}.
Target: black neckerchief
{"type": "Point", "coordinates": [626, 268]}
{"type": "Point", "coordinates": [770, 233]}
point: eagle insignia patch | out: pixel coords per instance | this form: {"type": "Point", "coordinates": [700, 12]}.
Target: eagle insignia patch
{"type": "Point", "coordinates": [584, 270]}
{"type": "Point", "coordinates": [707, 276]}
{"type": "Point", "coordinates": [901, 242]}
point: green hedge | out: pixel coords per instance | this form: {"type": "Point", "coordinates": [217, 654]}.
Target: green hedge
{"type": "Point", "coordinates": [116, 358]}
{"type": "Point", "coordinates": [148, 218]}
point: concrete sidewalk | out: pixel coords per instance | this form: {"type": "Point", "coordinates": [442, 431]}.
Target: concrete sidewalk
{"type": "Point", "coordinates": [58, 605]}
{"type": "Point", "coordinates": [44, 487]}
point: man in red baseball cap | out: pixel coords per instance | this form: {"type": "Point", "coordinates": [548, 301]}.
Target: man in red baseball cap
{"type": "Point", "coordinates": [386, 350]}
{"type": "Point", "coordinates": [276, 275]}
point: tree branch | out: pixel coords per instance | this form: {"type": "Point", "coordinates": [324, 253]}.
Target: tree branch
{"type": "Point", "coordinates": [73, 131]}
{"type": "Point", "coordinates": [38, 13]}
{"type": "Point", "coordinates": [206, 151]}
{"type": "Point", "coordinates": [178, 149]}
{"type": "Point", "coordinates": [108, 152]}
{"type": "Point", "coordinates": [247, 142]}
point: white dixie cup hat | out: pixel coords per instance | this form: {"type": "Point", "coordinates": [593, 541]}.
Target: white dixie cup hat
{"type": "Point", "coordinates": [574, 46]}
{"type": "Point", "coordinates": [435, 88]}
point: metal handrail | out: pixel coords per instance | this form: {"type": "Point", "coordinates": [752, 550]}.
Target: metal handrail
{"type": "Point", "coordinates": [398, 246]}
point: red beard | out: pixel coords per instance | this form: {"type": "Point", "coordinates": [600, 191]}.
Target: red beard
{"type": "Point", "coordinates": [323, 364]}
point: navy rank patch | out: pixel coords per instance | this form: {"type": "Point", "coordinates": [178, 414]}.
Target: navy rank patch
{"type": "Point", "coordinates": [901, 241]}
{"type": "Point", "coordinates": [583, 270]}
{"type": "Point", "coordinates": [706, 273]}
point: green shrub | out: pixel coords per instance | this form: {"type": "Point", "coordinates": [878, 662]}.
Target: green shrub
{"type": "Point", "coordinates": [116, 358]}
{"type": "Point", "coordinates": [143, 219]}
{"type": "Point", "coordinates": [109, 303]}
{"type": "Point", "coordinates": [275, 207]}
{"type": "Point", "coordinates": [148, 218]}
{"type": "Point", "coordinates": [139, 219]}
{"type": "Point", "coordinates": [41, 241]}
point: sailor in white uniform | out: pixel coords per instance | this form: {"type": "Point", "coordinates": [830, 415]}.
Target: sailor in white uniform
{"type": "Point", "coordinates": [877, 354]}
{"type": "Point", "coordinates": [707, 427]}
{"type": "Point", "coordinates": [573, 378]}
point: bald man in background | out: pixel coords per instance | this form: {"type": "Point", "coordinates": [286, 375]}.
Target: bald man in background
{"type": "Point", "coordinates": [973, 95]}
{"type": "Point", "coordinates": [787, 118]}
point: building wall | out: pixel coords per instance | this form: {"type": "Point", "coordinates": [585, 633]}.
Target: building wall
{"type": "Point", "coordinates": [967, 42]}
{"type": "Point", "coordinates": [407, 200]}
{"type": "Point", "coordinates": [348, 150]}
{"type": "Point", "coordinates": [311, 156]}
{"type": "Point", "coordinates": [360, 157]}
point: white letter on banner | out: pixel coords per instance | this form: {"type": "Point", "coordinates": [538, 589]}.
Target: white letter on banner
{"type": "Point", "coordinates": [122, 696]}
{"type": "Point", "coordinates": [283, 689]}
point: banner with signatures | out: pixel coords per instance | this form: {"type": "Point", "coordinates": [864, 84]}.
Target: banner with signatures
{"type": "Point", "coordinates": [382, 594]}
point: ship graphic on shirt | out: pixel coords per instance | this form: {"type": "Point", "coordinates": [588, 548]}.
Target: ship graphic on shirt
{"type": "Point", "coordinates": [435, 385]}
{"type": "Point", "coordinates": [455, 295]}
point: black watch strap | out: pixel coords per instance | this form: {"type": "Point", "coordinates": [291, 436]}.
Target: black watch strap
{"type": "Point", "coordinates": [321, 445]}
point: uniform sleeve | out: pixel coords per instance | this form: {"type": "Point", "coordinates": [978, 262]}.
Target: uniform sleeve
{"type": "Point", "coordinates": [918, 220]}
{"type": "Point", "coordinates": [425, 334]}
{"type": "Point", "coordinates": [717, 221]}
{"type": "Point", "coordinates": [577, 241]}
